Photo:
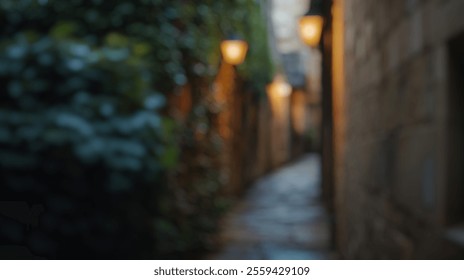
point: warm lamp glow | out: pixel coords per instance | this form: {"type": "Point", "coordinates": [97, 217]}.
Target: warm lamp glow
{"type": "Point", "coordinates": [311, 29]}
{"type": "Point", "coordinates": [279, 87]}
{"type": "Point", "coordinates": [278, 92]}
{"type": "Point", "coordinates": [234, 51]}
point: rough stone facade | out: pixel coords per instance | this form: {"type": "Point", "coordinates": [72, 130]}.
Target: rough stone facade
{"type": "Point", "coordinates": [398, 129]}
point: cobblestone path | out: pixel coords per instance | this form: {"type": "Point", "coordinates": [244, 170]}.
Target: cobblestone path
{"type": "Point", "coordinates": [281, 217]}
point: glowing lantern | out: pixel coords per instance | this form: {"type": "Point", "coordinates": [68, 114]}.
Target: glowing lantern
{"type": "Point", "coordinates": [311, 26]}
{"type": "Point", "coordinates": [279, 87]}
{"type": "Point", "coordinates": [234, 51]}
{"type": "Point", "coordinates": [278, 92]}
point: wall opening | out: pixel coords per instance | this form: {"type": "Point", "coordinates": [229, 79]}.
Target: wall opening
{"type": "Point", "coordinates": [455, 168]}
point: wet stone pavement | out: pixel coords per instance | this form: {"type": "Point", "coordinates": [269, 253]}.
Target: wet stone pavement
{"type": "Point", "coordinates": [281, 217]}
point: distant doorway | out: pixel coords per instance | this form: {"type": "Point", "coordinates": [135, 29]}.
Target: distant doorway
{"type": "Point", "coordinates": [455, 168]}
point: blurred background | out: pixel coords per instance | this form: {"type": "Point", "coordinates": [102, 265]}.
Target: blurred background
{"type": "Point", "coordinates": [245, 129]}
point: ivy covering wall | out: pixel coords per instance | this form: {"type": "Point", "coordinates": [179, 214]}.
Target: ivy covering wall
{"type": "Point", "coordinates": [84, 137]}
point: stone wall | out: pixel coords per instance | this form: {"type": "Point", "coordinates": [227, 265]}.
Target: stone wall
{"type": "Point", "coordinates": [394, 163]}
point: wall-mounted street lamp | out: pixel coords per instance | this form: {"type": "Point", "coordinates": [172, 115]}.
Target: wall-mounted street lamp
{"type": "Point", "coordinates": [278, 92]}
{"type": "Point", "coordinates": [234, 51]}
{"type": "Point", "coordinates": [279, 87]}
{"type": "Point", "coordinates": [311, 25]}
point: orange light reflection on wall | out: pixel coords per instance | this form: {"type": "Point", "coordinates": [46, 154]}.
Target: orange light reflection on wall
{"type": "Point", "coordinates": [299, 112]}
{"type": "Point", "coordinates": [339, 114]}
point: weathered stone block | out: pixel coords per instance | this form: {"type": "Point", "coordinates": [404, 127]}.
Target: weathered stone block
{"type": "Point", "coordinates": [416, 39]}
{"type": "Point", "coordinates": [391, 198]}
{"type": "Point", "coordinates": [416, 150]}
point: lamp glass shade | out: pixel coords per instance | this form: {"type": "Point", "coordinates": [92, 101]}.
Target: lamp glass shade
{"type": "Point", "coordinates": [278, 93]}
{"type": "Point", "coordinates": [311, 29]}
{"type": "Point", "coordinates": [234, 51]}
{"type": "Point", "coordinates": [279, 87]}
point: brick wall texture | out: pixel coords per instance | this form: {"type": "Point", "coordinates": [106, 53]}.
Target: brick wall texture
{"type": "Point", "coordinates": [393, 189]}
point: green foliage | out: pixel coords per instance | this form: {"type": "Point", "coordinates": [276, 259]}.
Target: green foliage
{"type": "Point", "coordinates": [258, 69]}
{"type": "Point", "coordinates": [81, 124]}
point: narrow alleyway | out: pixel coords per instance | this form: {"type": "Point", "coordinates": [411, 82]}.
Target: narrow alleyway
{"type": "Point", "coordinates": [281, 217]}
